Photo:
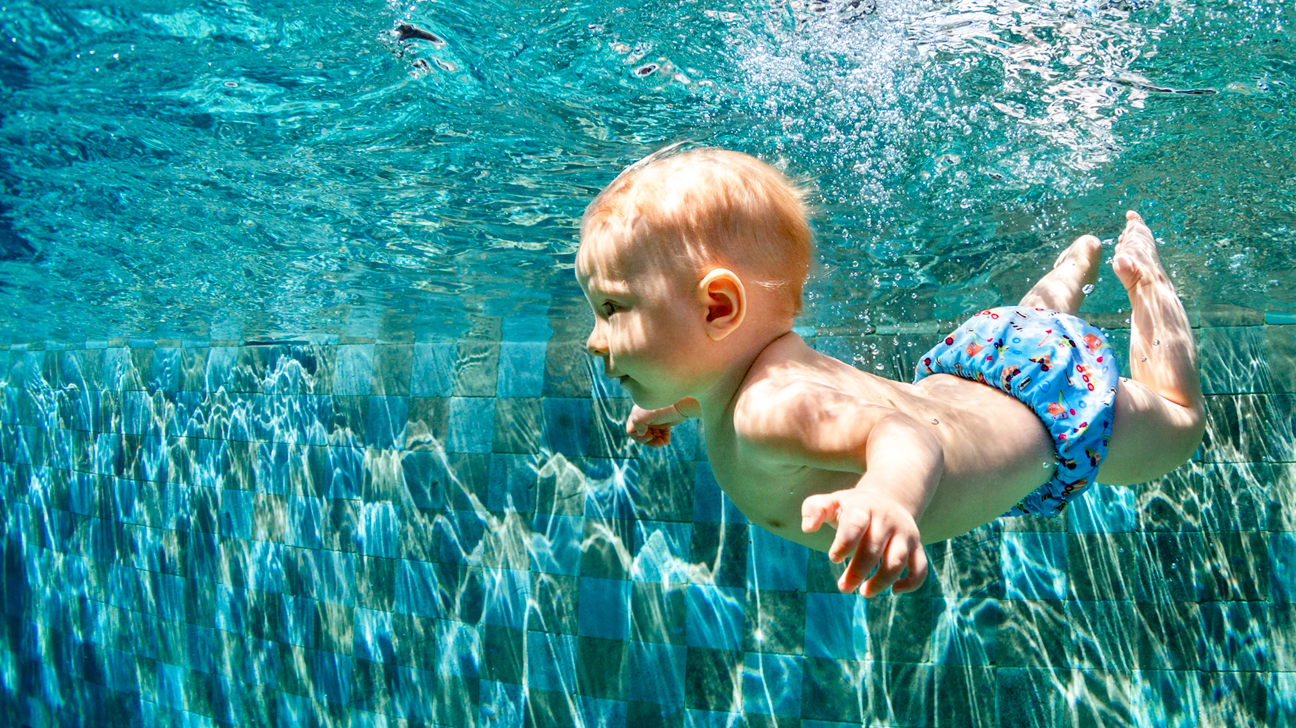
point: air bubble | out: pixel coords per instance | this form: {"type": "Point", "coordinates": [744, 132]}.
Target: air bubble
{"type": "Point", "coordinates": [935, 421]}
{"type": "Point", "coordinates": [1143, 359]}
{"type": "Point", "coordinates": [1087, 289]}
{"type": "Point", "coordinates": [1156, 342]}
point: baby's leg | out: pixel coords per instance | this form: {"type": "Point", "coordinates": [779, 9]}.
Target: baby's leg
{"type": "Point", "coordinates": [1062, 289]}
{"type": "Point", "coordinates": [1159, 415]}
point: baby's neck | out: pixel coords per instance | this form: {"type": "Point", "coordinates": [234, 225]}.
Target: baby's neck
{"type": "Point", "coordinates": [714, 403]}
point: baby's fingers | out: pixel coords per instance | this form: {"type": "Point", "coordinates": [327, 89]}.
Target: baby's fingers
{"type": "Point", "coordinates": [891, 566]}
{"type": "Point", "coordinates": [917, 573]}
{"type": "Point", "coordinates": [818, 510]}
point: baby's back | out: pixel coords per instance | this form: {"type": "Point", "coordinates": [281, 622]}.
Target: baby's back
{"type": "Point", "coordinates": [989, 440]}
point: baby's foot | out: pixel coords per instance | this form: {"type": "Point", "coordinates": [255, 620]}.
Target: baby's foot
{"type": "Point", "coordinates": [1136, 261]}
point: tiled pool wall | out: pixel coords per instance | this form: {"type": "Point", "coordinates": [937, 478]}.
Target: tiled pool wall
{"type": "Point", "coordinates": [350, 533]}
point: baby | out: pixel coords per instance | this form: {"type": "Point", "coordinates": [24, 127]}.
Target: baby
{"type": "Point", "coordinates": [694, 264]}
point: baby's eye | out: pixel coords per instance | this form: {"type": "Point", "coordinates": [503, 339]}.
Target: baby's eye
{"type": "Point", "coordinates": [610, 308]}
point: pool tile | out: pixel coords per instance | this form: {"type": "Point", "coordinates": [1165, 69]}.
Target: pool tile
{"type": "Point", "coordinates": [476, 368]}
{"type": "Point", "coordinates": [554, 606]}
{"type": "Point", "coordinates": [836, 626]}
{"type": "Point", "coordinates": [1282, 567]}
{"type": "Point", "coordinates": [1103, 509]}
{"type": "Point", "coordinates": [772, 684]}
{"type": "Point", "coordinates": [965, 631]}
{"type": "Point", "coordinates": [604, 610]}
{"type": "Point", "coordinates": [392, 370]}
{"type": "Point", "coordinates": [721, 549]}
{"type": "Point", "coordinates": [1232, 360]}
{"type": "Point", "coordinates": [566, 369]}
{"type": "Point", "coordinates": [664, 490]}
{"type": "Point", "coordinates": [566, 426]}
{"type": "Point", "coordinates": [661, 552]}
{"type": "Point", "coordinates": [714, 617]}
{"type": "Point", "coordinates": [775, 563]}
{"type": "Point", "coordinates": [657, 612]}
{"type": "Point", "coordinates": [521, 369]}
{"type": "Point", "coordinates": [388, 418]}
{"type": "Point", "coordinates": [775, 621]}
{"type": "Point", "coordinates": [516, 426]}
{"type": "Point", "coordinates": [433, 369]}
{"type": "Point", "coordinates": [658, 671]}
{"type": "Point", "coordinates": [1034, 565]}
{"type": "Point", "coordinates": [471, 424]}
{"type": "Point", "coordinates": [354, 369]}
{"type": "Point", "coordinates": [556, 544]}
{"type": "Point", "coordinates": [428, 423]}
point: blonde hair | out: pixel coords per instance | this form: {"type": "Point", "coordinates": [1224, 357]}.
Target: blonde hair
{"type": "Point", "coordinates": [711, 207]}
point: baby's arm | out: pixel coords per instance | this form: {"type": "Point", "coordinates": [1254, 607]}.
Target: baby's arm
{"type": "Point", "coordinates": [900, 464]}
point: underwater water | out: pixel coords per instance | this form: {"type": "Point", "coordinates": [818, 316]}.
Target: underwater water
{"type": "Point", "coordinates": [298, 428]}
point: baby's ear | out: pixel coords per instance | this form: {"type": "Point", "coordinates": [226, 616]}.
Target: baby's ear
{"type": "Point", "coordinates": [725, 300]}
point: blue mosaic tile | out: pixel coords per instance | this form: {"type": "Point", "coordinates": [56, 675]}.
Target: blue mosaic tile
{"type": "Point", "coordinates": [512, 484]}
{"type": "Point", "coordinates": [772, 684]}
{"type": "Point", "coordinates": [658, 671]}
{"type": "Point", "coordinates": [604, 608]}
{"type": "Point", "coordinates": [460, 648]}
{"type": "Point", "coordinates": [551, 662]}
{"type": "Point", "coordinates": [378, 529]}
{"type": "Point", "coordinates": [331, 675]}
{"type": "Point", "coordinates": [231, 609]}
{"type": "Point", "coordinates": [424, 475]}
{"type": "Point", "coordinates": [501, 705]}
{"type": "Point", "coordinates": [296, 621]}
{"type": "Point", "coordinates": [598, 713]}
{"type": "Point", "coordinates": [472, 422]}
{"type": "Point", "coordinates": [714, 616]}
{"type": "Point", "coordinates": [521, 369]}
{"type": "Point", "coordinates": [1282, 567]}
{"type": "Point", "coordinates": [556, 544]}
{"type": "Point", "coordinates": [372, 635]}
{"type": "Point", "coordinates": [1103, 509]}
{"type": "Point", "coordinates": [566, 425]}
{"type": "Point", "coordinates": [354, 369]}
{"type": "Point", "coordinates": [661, 552]}
{"type": "Point", "coordinates": [328, 576]}
{"type": "Point", "coordinates": [1034, 565]}
{"type": "Point", "coordinates": [775, 563]}
{"type": "Point", "coordinates": [417, 589]}
{"type": "Point", "coordinates": [387, 421]}
{"type": "Point", "coordinates": [710, 504]}
{"type": "Point", "coordinates": [965, 631]}
{"type": "Point", "coordinates": [433, 370]}
{"type": "Point", "coordinates": [219, 371]}
{"type": "Point", "coordinates": [265, 566]}
{"type": "Point", "coordinates": [610, 487]}
{"type": "Point", "coordinates": [836, 626]}
{"type": "Point", "coordinates": [236, 514]}
{"type": "Point", "coordinates": [343, 472]}
{"type": "Point", "coordinates": [506, 598]}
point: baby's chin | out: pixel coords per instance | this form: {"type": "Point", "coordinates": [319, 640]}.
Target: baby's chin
{"type": "Point", "coordinates": [642, 399]}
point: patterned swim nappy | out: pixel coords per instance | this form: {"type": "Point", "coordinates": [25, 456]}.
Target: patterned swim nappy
{"type": "Point", "coordinates": [1056, 364]}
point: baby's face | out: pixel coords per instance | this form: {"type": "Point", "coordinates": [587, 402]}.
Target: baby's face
{"type": "Point", "coordinates": [647, 319]}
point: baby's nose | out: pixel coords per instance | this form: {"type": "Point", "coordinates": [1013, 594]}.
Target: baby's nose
{"type": "Point", "coordinates": [595, 347]}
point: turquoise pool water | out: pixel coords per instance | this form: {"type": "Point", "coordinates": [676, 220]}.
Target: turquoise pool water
{"type": "Point", "coordinates": [297, 426]}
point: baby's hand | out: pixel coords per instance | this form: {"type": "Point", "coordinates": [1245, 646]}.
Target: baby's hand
{"type": "Point", "coordinates": [652, 427]}
{"type": "Point", "coordinates": [873, 530]}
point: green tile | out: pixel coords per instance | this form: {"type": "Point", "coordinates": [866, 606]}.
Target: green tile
{"type": "Point", "coordinates": [657, 612]}
{"type": "Point", "coordinates": [713, 680]}
{"type": "Point", "coordinates": [568, 369]}
{"type": "Point", "coordinates": [775, 621]}
{"type": "Point", "coordinates": [554, 603]}
{"type": "Point", "coordinates": [429, 423]}
{"type": "Point", "coordinates": [391, 369]}
{"type": "Point", "coordinates": [476, 368]}
{"type": "Point", "coordinates": [1032, 634]}
{"type": "Point", "coordinates": [517, 425]}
